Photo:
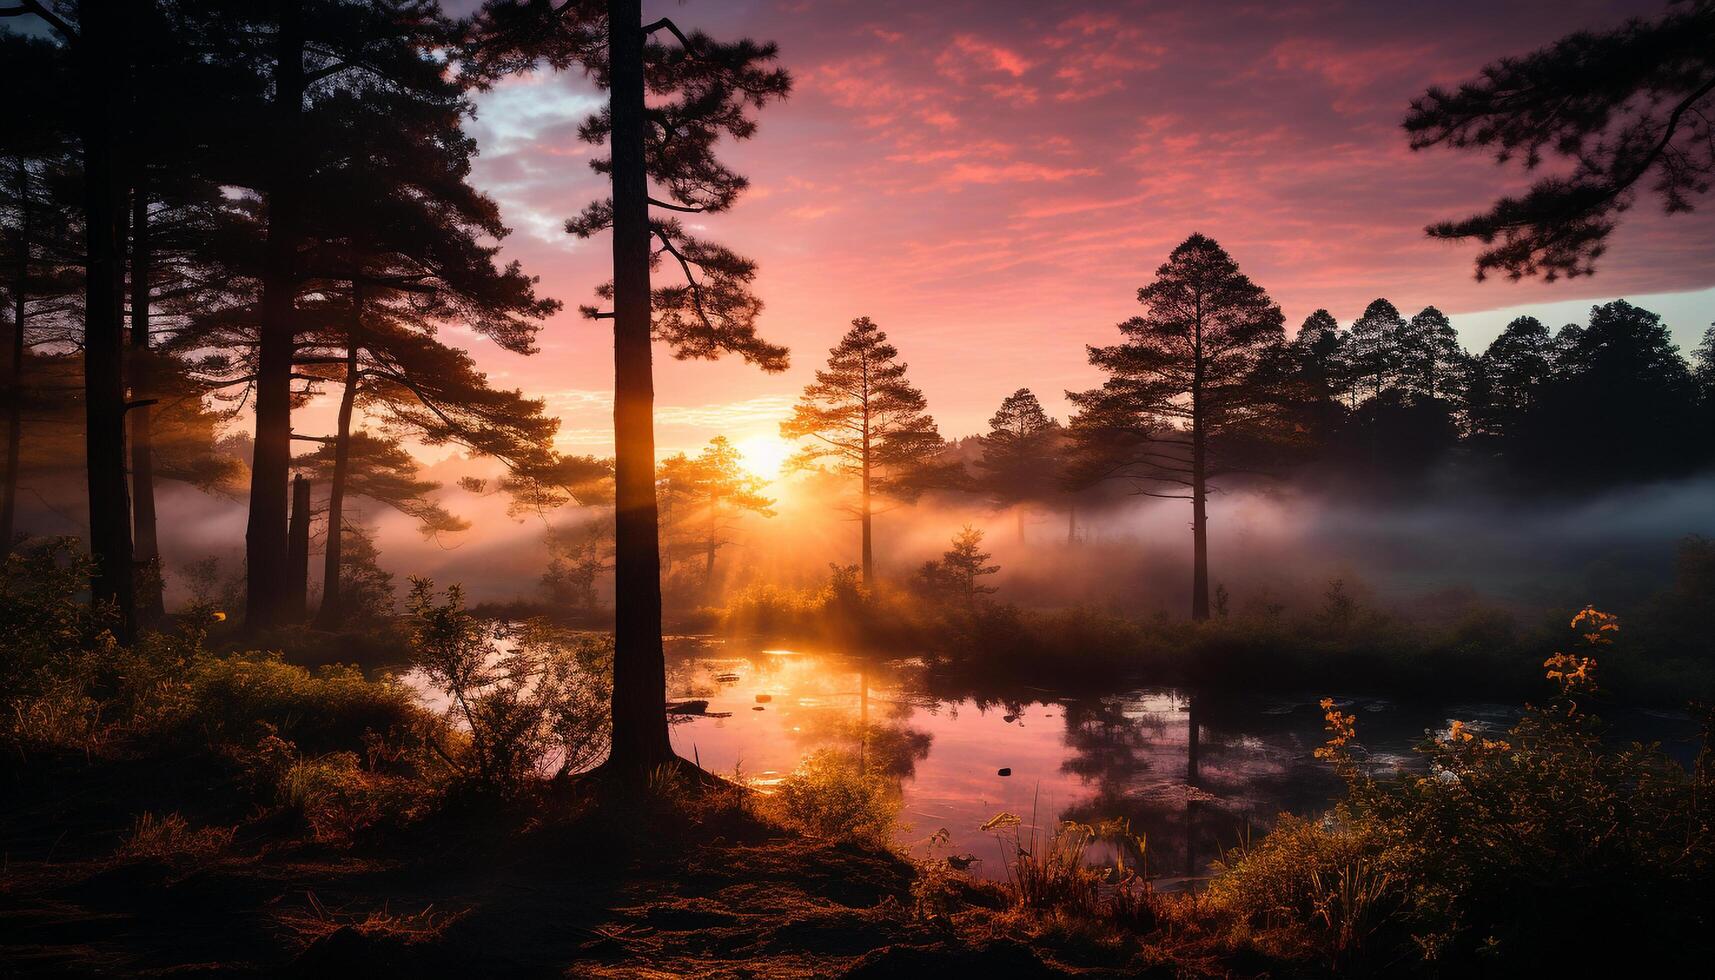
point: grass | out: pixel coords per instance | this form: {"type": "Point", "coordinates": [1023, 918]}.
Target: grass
{"type": "Point", "coordinates": [1544, 847]}
{"type": "Point", "coordinates": [170, 837]}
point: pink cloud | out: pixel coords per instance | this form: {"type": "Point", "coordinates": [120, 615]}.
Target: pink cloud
{"type": "Point", "coordinates": [994, 193]}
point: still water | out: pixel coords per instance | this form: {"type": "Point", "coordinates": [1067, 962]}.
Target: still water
{"type": "Point", "coordinates": [1196, 773]}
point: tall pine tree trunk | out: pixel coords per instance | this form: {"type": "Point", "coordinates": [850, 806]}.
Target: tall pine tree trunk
{"type": "Point", "coordinates": [151, 604]}
{"type": "Point", "coordinates": [864, 515]}
{"type": "Point", "coordinates": [1199, 493]}
{"type": "Point", "coordinates": [15, 370]}
{"type": "Point", "coordinates": [639, 672]}
{"type": "Point", "coordinates": [103, 80]}
{"type": "Point", "coordinates": [713, 543]}
{"type": "Point", "coordinates": [1072, 523]}
{"type": "Point", "coordinates": [329, 615]}
{"type": "Point", "coordinates": [265, 537]}
{"type": "Point", "coordinates": [298, 550]}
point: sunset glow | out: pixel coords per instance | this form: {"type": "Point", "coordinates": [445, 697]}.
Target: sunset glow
{"type": "Point", "coordinates": [763, 454]}
{"type": "Point", "coordinates": [857, 488]}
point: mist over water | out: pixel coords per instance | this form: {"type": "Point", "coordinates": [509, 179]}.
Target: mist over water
{"type": "Point", "coordinates": [1268, 544]}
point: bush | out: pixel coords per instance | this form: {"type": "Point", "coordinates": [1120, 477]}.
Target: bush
{"type": "Point", "coordinates": [1544, 847]}
{"type": "Point", "coordinates": [236, 696]}
{"type": "Point", "coordinates": [831, 795]}
{"type": "Point", "coordinates": [1050, 871]}
{"type": "Point", "coordinates": [532, 703]}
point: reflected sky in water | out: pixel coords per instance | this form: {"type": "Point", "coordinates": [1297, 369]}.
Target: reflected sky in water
{"type": "Point", "coordinates": [1197, 774]}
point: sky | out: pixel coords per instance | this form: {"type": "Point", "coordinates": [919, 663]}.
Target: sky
{"type": "Point", "coordinates": [991, 182]}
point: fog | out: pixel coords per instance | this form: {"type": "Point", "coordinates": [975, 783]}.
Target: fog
{"type": "Point", "coordinates": [1268, 544]}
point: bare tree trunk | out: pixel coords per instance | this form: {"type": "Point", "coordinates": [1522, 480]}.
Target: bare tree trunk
{"type": "Point", "coordinates": [1072, 523]}
{"type": "Point", "coordinates": [151, 604]}
{"type": "Point", "coordinates": [329, 615]}
{"type": "Point", "coordinates": [15, 370]}
{"type": "Point", "coordinates": [1193, 777]}
{"type": "Point", "coordinates": [865, 516]}
{"type": "Point", "coordinates": [639, 672]}
{"type": "Point", "coordinates": [1199, 492]}
{"type": "Point", "coordinates": [713, 543]}
{"type": "Point", "coordinates": [103, 76]}
{"type": "Point", "coordinates": [298, 551]}
{"type": "Point", "coordinates": [265, 537]}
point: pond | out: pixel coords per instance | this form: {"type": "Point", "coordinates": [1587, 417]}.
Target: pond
{"type": "Point", "coordinates": [1197, 773]}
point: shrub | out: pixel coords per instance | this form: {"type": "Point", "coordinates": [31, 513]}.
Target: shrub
{"type": "Point", "coordinates": [532, 703]}
{"type": "Point", "coordinates": [338, 796]}
{"type": "Point", "coordinates": [831, 795]}
{"type": "Point", "coordinates": [325, 709]}
{"type": "Point", "coordinates": [1543, 847]}
{"type": "Point", "coordinates": [1051, 871]}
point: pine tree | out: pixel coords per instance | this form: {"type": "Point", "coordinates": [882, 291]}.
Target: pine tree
{"type": "Point", "coordinates": [382, 470]}
{"type": "Point", "coordinates": [1320, 352]}
{"type": "Point", "coordinates": [40, 274]}
{"type": "Point", "coordinates": [1431, 361]}
{"type": "Point", "coordinates": [321, 55]}
{"type": "Point", "coordinates": [98, 73]}
{"type": "Point", "coordinates": [702, 495]}
{"type": "Point", "coordinates": [1195, 370]}
{"type": "Point", "coordinates": [1621, 406]}
{"type": "Point", "coordinates": [1629, 107]}
{"type": "Point", "coordinates": [699, 91]}
{"type": "Point", "coordinates": [869, 422]}
{"type": "Point", "coordinates": [1373, 348]}
{"type": "Point", "coordinates": [1020, 462]}
{"type": "Point", "coordinates": [1513, 369]}
{"type": "Point", "coordinates": [958, 574]}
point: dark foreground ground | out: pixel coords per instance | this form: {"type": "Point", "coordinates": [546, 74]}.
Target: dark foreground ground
{"type": "Point", "coordinates": [476, 893]}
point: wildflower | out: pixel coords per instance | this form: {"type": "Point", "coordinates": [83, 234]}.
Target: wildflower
{"type": "Point", "coordinates": [1596, 625]}
{"type": "Point", "coordinates": [1342, 728]}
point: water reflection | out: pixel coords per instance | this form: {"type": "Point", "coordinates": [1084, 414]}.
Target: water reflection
{"type": "Point", "coordinates": [1197, 774]}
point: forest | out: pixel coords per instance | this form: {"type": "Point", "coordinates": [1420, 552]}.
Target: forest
{"type": "Point", "coordinates": [332, 640]}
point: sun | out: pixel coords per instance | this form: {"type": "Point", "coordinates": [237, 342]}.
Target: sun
{"type": "Point", "coordinates": [763, 454]}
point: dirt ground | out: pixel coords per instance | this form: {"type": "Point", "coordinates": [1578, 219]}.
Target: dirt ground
{"type": "Point", "coordinates": [467, 895]}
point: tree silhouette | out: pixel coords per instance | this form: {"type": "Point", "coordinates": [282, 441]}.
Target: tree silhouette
{"type": "Point", "coordinates": [1020, 461]}
{"type": "Point", "coordinates": [1320, 352]}
{"type": "Point", "coordinates": [868, 422]}
{"type": "Point", "coordinates": [699, 91]}
{"type": "Point", "coordinates": [705, 493]}
{"type": "Point", "coordinates": [1703, 373]}
{"type": "Point", "coordinates": [320, 55]}
{"type": "Point", "coordinates": [958, 574]}
{"type": "Point", "coordinates": [1320, 373]}
{"type": "Point", "coordinates": [1373, 352]}
{"type": "Point", "coordinates": [1512, 371]}
{"type": "Point", "coordinates": [1621, 405]}
{"type": "Point", "coordinates": [1431, 361]}
{"type": "Point", "coordinates": [381, 470]}
{"type": "Point", "coordinates": [40, 275]}
{"type": "Point", "coordinates": [1193, 371]}
{"type": "Point", "coordinates": [96, 39]}
{"type": "Point", "coordinates": [1628, 107]}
